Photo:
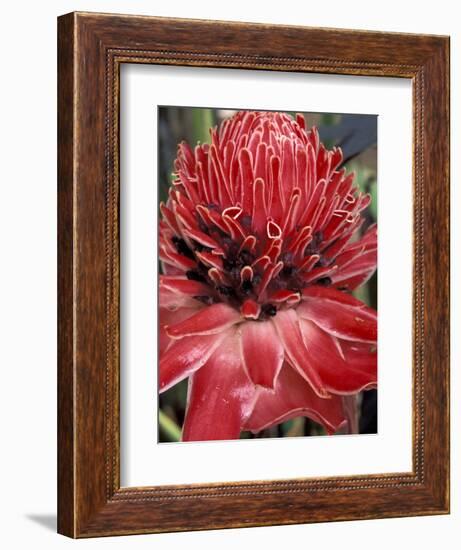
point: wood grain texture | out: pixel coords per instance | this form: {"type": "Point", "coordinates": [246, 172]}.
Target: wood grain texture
{"type": "Point", "coordinates": [66, 296]}
{"type": "Point", "coordinates": [91, 49]}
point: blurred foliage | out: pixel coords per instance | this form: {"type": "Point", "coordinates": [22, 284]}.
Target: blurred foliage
{"type": "Point", "coordinates": [170, 431]}
{"type": "Point", "coordinates": [202, 121]}
{"type": "Point", "coordinates": [366, 181]}
{"type": "Point", "coordinates": [356, 135]}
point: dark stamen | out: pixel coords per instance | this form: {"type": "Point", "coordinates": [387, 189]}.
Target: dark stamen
{"type": "Point", "coordinates": [245, 257]}
{"type": "Point", "coordinates": [269, 310]}
{"type": "Point", "coordinates": [193, 275]}
{"type": "Point", "coordinates": [181, 247]}
{"type": "Point", "coordinates": [318, 237]}
{"type": "Point", "coordinates": [287, 271]}
{"type": "Point", "coordinates": [201, 248]}
{"type": "Point", "coordinates": [322, 262]}
{"type": "Point", "coordinates": [202, 225]}
{"type": "Point", "coordinates": [287, 258]}
{"type": "Point", "coordinates": [208, 300]}
{"type": "Point", "coordinates": [228, 264]}
{"type": "Point", "coordinates": [313, 246]}
{"type": "Point", "coordinates": [235, 273]}
{"type": "Point", "coordinates": [324, 281]}
{"type": "Point", "coordinates": [232, 249]}
{"type": "Point", "coordinates": [245, 220]}
{"type": "Point", "coordinates": [226, 291]}
{"type": "Point", "coordinates": [247, 287]}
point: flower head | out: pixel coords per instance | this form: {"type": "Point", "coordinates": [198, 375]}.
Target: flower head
{"type": "Point", "coordinates": [260, 250]}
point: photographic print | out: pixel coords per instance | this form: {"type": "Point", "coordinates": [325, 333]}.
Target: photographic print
{"type": "Point", "coordinates": [217, 288]}
{"type": "Point", "coordinates": [267, 274]}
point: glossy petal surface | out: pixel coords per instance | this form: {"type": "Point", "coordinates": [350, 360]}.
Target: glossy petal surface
{"type": "Point", "coordinates": [220, 397]}
{"type": "Point", "coordinates": [338, 374]}
{"type": "Point", "coordinates": [262, 352]}
{"type": "Point", "coordinates": [185, 356]}
{"type": "Point", "coordinates": [293, 397]}
{"type": "Point", "coordinates": [343, 320]}
{"type": "Point", "coordinates": [289, 332]}
{"type": "Point", "coordinates": [210, 320]}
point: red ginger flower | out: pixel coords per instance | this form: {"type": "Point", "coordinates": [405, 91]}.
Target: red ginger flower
{"type": "Point", "coordinates": [259, 246]}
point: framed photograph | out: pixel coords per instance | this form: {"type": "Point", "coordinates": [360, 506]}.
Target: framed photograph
{"type": "Point", "coordinates": [238, 343]}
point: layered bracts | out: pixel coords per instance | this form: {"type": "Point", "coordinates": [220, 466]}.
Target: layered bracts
{"type": "Point", "coordinates": [260, 247]}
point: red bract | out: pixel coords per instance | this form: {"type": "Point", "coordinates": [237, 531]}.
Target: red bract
{"type": "Point", "coordinates": [259, 246]}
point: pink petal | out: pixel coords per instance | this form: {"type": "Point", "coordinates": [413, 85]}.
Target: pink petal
{"type": "Point", "coordinates": [246, 178]}
{"type": "Point", "coordinates": [259, 216]}
{"type": "Point", "coordinates": [270, 272]}
{"type": "Point", "coordinates": [174, 300]}
{"type": "Point", "coordinates": [358, 271]}
{"type": "Point", "coordinates": [220, 396]}
{"type": "Point", "coordinates": [250, 309]}
{"type": "Point", "coordinates": [293, 397]}
{"type": "Point", "coordinates": [180, 262]}
{"type": "Point", "coordinates": [287, 325]}
{"type": "Point", "coordinates": [364, 263]}
{"type": "Point", "coordinates": [274, 231]}
{"type": "Point", "coordinates": [330, 293]}
{"type": "Point", "coordinates": [210, 260]}
{"type": "Point", "coordinates": [290, 297]}
{"type": "Point", "coordinates": [169, 217]}
{"type": "Point", "coordinates": [262, 352]}
{"type": "Point", "coordinates": [291, 217]}
{"type": "Point", "coordinates": [341, 319]}
{"type": "Point", "coordinates": [201, 237]}
{"type": "Point", "coordinates": [210, 320]}
{"type": "Point", "coordinates": [362, 357]}
{"type": "Point", "coordinates": [166, 317]}
{"type": "Point", "coordinates": [183, 285]}
{"type": "Point", "coordinates": [185, 356]}
{"type": "Point", "coordinates": [169, 269]}
{"type": "Point", "coordinates": [352, 283]}
{"type": "Point", "coordinates": [338, 374]}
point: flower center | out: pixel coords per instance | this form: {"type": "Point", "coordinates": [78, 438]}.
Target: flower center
{"type": "Point", "coordinates": [239, 274]}
{"type": "Point", "coordinates": [261, 213]}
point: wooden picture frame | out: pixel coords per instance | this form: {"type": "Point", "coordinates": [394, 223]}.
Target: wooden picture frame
{"type": "Point", "coordinates": [91, 49]}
